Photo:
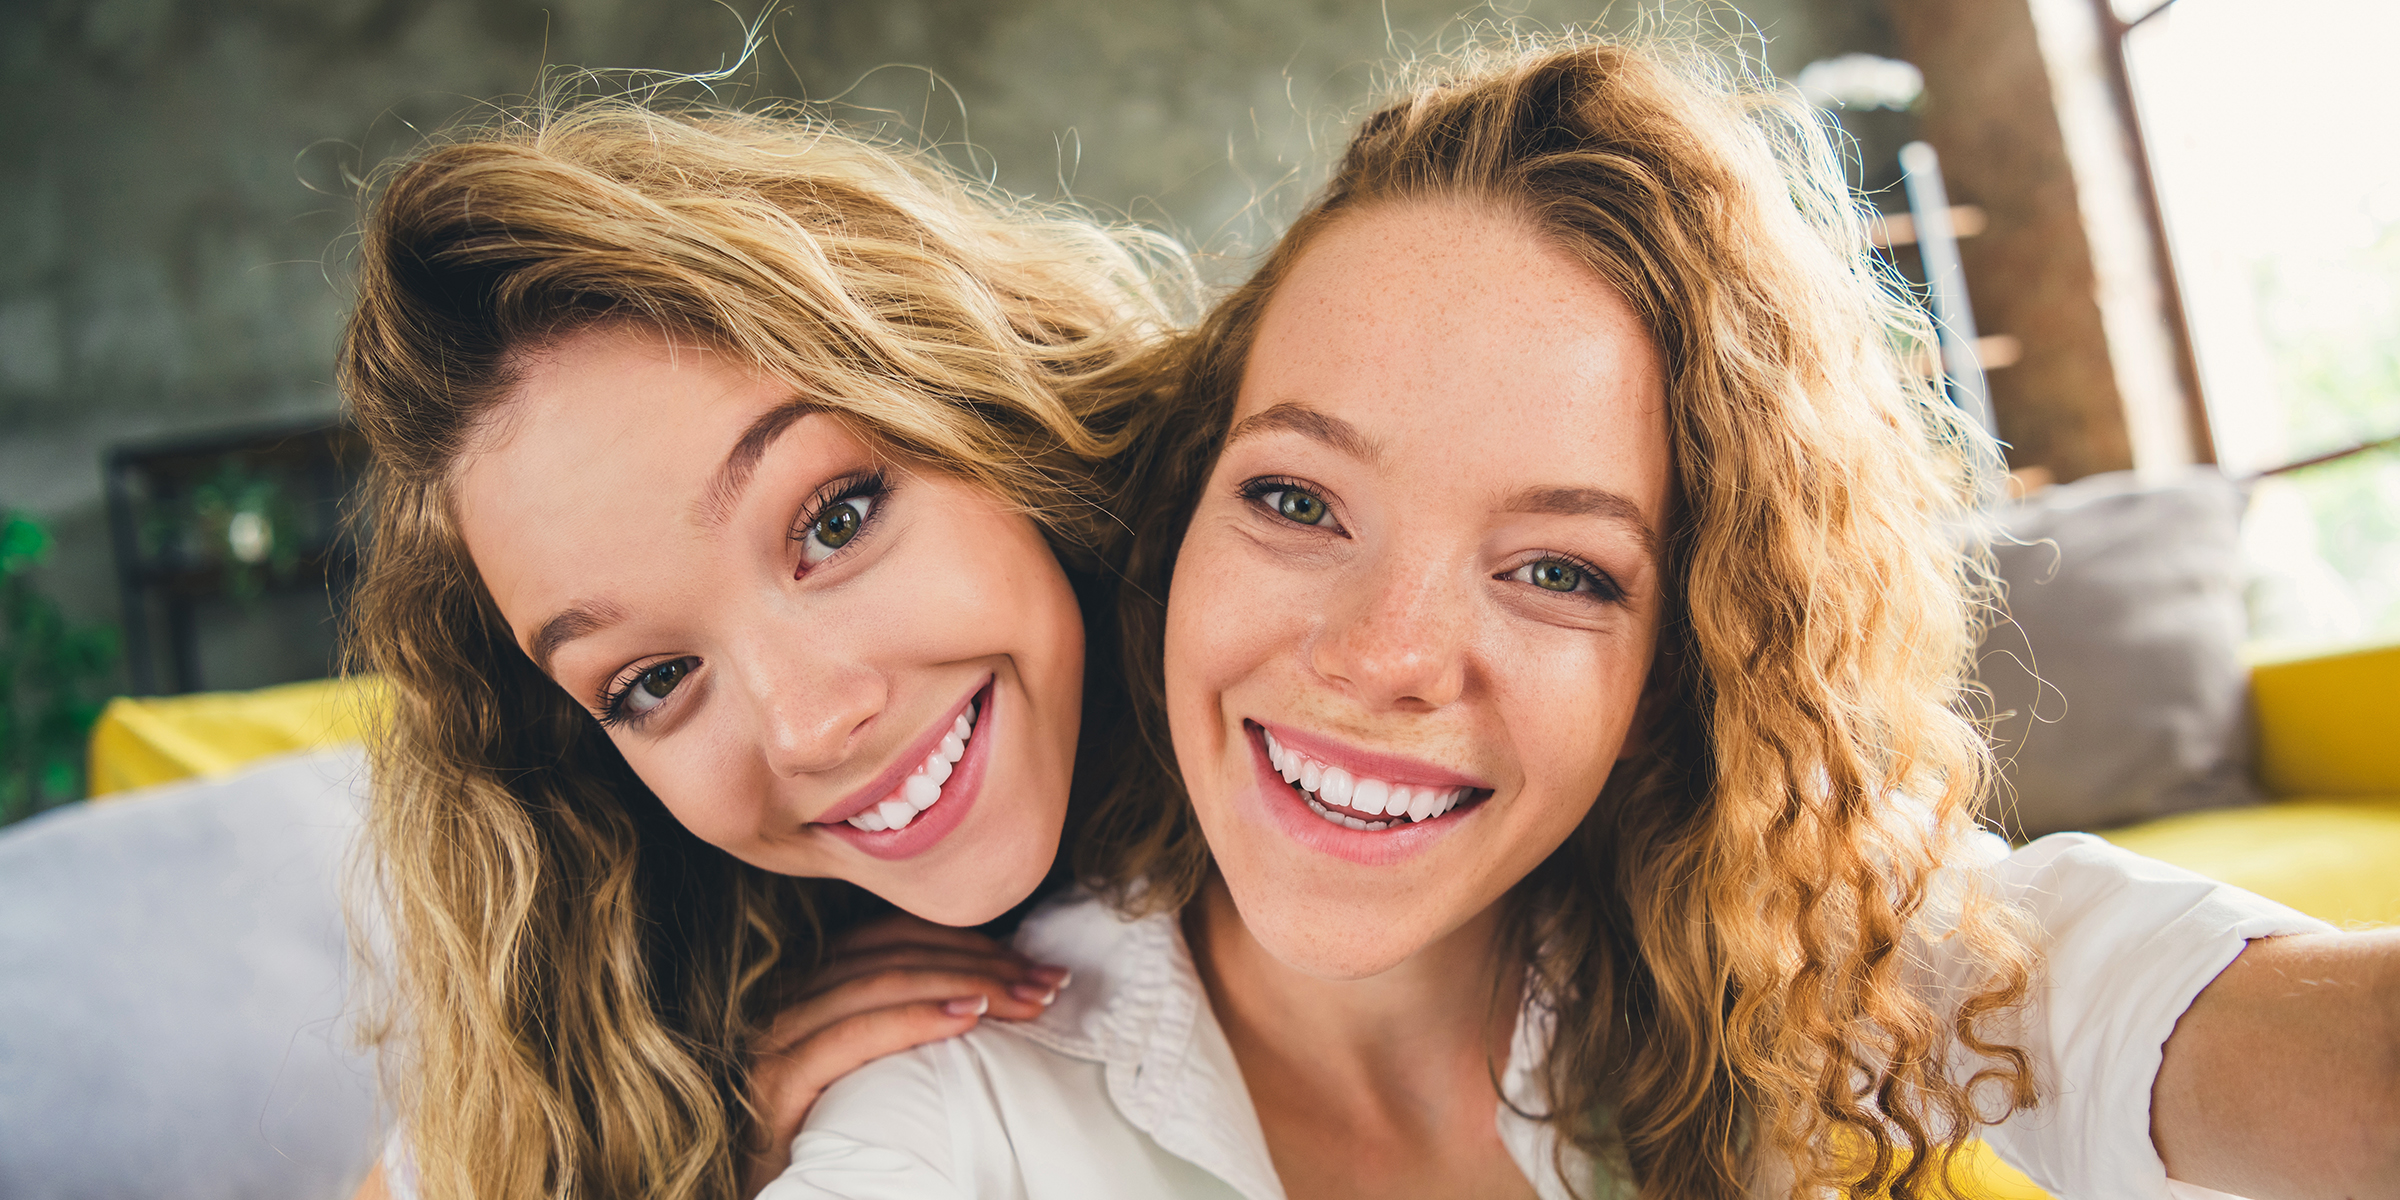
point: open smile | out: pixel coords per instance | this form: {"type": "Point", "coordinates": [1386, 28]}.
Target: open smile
{"type": "Point", "coordinates": [922, 796]}
{"type": "Point", "coordinates": [1371, 808]}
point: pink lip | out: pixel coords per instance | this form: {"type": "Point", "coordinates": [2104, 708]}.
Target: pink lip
{"type": "Point", "coordinates": [958, 792]}
{"type": "Point", "coordinates": [1391, 768]}
{"type": "Point", "coordinates": [1280, 804]}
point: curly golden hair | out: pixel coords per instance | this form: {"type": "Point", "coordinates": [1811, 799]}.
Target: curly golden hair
{"type": "Point", "coordinates": [1731, 943]}
{"type": "Point", "coordinates": [576, 976]}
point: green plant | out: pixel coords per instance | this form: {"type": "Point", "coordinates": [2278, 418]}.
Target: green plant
{"type": "Point", "coordinates": [53, 680]}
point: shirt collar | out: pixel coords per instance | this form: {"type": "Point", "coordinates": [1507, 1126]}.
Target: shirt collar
{"type": "Point", "coordinates": [1137, 1006]}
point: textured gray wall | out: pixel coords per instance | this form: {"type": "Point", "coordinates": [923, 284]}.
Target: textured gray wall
{"type": "Point", "coordinates": [172, 195]}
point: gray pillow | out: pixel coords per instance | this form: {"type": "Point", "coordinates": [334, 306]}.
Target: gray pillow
{"type": "Point", "coordinates": [2119, 688]}
{"type": "Point", "coordinates": [172, 971]}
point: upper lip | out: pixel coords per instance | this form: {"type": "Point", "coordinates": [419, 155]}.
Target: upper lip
{"type": "Point", "coordinates": [881, 787]}
{"type": "Point", "coordinates": [1371, 764]}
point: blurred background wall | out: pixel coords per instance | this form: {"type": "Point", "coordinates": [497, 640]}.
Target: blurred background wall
{"type": "Point", "coordinates": [176, 176]}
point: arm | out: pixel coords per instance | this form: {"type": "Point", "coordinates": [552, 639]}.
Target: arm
{"type": "Point", "coordinates": [894, 984]}
{"type": "Point", "coordinates": [2282, 1081]}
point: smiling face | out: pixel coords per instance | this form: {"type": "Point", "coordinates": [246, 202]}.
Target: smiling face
{"type": "Point", "coordinates": [824, 661]}
{"type": "Point", "coordinates": [1425, 566]}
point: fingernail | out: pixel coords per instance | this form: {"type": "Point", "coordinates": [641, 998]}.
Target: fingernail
{"type": "Point", "coordinates": [1033, 993]}
{"type": "Point", "coordinates": [967, 1006]}
{"type": "Point", "coordinates": [1054, 976]}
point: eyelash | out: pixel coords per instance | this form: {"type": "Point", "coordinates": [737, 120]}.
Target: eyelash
{"type": "Point", "coordinates": [1604, 587]}
{"type": "Point", "coordinates": [612, 703]}
{"type": "Point", "coordinates": [873, 484]}
{"type": "Point", "coordinates": [1257, 490]}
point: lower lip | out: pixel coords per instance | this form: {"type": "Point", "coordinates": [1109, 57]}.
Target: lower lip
{"type": "Point", "coordinates": [1284, 807]}
{"type": "Point", "coordinates": [958, 795]}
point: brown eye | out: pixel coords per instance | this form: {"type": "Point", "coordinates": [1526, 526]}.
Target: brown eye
{"type": "Point", "coordinates": [661, 679]}
{"type": "Point", "coordinates": [650, 688]}
{"type": "Point", "coordinates": [835, 528]}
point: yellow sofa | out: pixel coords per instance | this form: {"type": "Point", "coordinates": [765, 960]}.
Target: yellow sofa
{"type": "Point", "coordinates": [2327, 843]}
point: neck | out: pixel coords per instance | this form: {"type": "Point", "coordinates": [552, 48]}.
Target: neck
{"type": "Point", "coordinates": [1357, 1079]}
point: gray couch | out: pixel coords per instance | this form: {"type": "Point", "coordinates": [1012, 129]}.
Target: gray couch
{"type": "Point", "coordinates": [173, 988]}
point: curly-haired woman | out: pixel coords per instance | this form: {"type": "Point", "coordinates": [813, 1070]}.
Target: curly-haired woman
{"type": "Point", "coordinates": [1559, 782]}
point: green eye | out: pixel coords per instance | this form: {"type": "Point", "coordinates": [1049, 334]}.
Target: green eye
{"type": "Point", "coordinates": [1556, 576]}
{"type": "Point", "coordinates": [838, 526]}
{"type": "Point", "coordinates": [1300, 506]}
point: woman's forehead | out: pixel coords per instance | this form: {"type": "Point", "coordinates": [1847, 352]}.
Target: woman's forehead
{"type": "Point", "coordinates": [1463, 325]}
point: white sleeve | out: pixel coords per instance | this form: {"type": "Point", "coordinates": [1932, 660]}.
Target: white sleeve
{"type": "Point", "coordinates": [399, 1166]}
{"type": "Point", "coordinates": [2127, 943]}
{"type": "Point", "coordinates": [882, 1132]}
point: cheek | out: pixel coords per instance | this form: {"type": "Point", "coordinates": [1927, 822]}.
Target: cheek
{"type": "Point", "coordinates": [730, 812]}
{"type": "Point", "coordinates": [1219, 627]}
{"type": "Point", "coordinates": [1570, 721]}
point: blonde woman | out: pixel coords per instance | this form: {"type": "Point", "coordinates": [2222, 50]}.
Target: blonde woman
{"type": "Point", "coordinates": [1567, 792]}
{"type": "Point", "coordinates": [736, 482]}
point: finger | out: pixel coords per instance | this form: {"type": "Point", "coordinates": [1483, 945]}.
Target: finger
{"type": "Point", "coordinates": [1015, 999]}
{"type": "Point", "coordinates": [785, 1087]}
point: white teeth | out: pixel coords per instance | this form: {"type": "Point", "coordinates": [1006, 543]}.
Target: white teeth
{"type": "Point", "coordinates": [1337, 786]}
{"type": "Point", "coordinates": [1347, 821]}
{"type": "Point", "coordinates": [1322, 785]}
{"type": "Point", "coordinates": [923, 788]}
{"type": "Point", "coordinates": [1368, 795]}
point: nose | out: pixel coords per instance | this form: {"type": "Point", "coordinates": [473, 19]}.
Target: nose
{"type": "Point", "coordinates": [811, 708]}
{"type": "Point", "coordinates": [1401, 640]}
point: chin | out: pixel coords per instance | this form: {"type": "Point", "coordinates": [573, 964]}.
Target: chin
{"type": "Point", "coordinates": [1338, 940]}
{"type": "Point", "coordinates": [987, 881]}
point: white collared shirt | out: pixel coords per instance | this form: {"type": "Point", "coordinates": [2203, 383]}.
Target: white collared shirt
{"type": "Point", "coordinates": [1126, 1087]}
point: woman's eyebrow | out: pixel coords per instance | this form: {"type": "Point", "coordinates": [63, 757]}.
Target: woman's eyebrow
{"type": "Point", "coordinates": [566, 627]}
{"type": "Point", "coordinates": [1586, 502]}
{"type": "Point", "coordinates": [1324, 427]}
{"type": "Point", "coordinates": [716, 503]}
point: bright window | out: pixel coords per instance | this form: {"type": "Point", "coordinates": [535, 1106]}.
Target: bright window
{"type": "Point", "coordinates": [2273, 128]}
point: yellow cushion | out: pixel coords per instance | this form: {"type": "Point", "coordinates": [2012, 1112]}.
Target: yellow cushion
{"type": "Point", "coordinates": [141, 741]}
{"type": "Point", "coordinates": [1980, 1175]}
{"type": "Point", "coordinates": [2336, 858]}
{"type": "Point", "coordinates": [2325, 724]}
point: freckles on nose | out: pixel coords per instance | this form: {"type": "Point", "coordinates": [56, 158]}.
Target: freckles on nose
{"type": "Point", "coordinates": [1406, 641]}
